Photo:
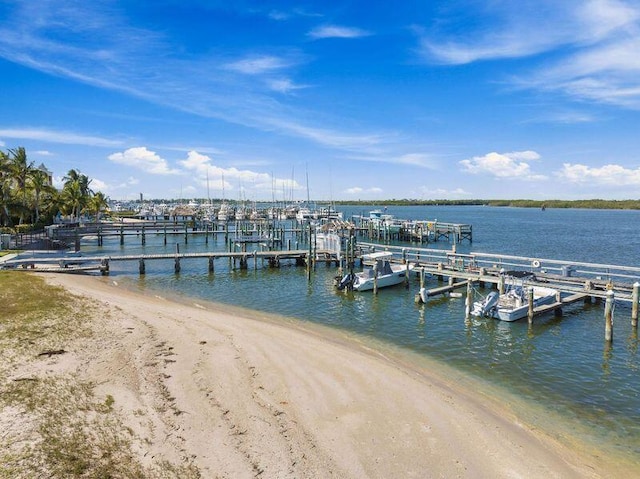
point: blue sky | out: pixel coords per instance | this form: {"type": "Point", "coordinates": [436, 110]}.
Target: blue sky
{"type": "Point", "coordinates": [369, 100]}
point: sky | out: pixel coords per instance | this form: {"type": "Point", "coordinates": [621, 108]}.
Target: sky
{"type": "Point", "coordinates": [351, 100]}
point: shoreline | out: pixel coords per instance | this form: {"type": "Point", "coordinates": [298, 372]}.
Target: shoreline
{"type": "Point", "coordinates": [247, 391]}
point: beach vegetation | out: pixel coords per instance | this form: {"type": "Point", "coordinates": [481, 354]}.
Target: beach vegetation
{"type": "Point", "coordinates": [29, 200]}
{"type": "Point", "coordinates": [56, 424]}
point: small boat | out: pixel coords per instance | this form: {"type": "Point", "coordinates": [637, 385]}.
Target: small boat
{"type": "Point", "coordinates": [378, 270]}
{"type": "Point", "coordinates": [513, 304]}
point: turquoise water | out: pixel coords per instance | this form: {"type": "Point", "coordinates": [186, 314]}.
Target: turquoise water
{"type": "Point", "coordinates": [562, 364]}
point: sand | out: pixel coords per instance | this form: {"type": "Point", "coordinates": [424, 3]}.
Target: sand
{"type": "Point", "coordinates": [243, 395]}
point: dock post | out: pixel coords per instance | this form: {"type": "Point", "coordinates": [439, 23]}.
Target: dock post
{"type": "Point", "coordinates": [635, 297]}
{"type": "Point", "coordinates": [142, 268]}
{"type": "Point", "coordinates": [165, 234]}
{"type": "Point", "coordinates": [501, 282]}
{"type": "Point", "coordinates": [210, 264]}
{"type": "Point", "coordinates": [530, 304]}
{"type": "Point", "coordinates": [105, 266]}
{"type": "Point", "coordinates": [143, 237]}
{"type": "Point", "coordinates": [186, 233]}
{"type": "Point", "coordinates": [375, 278]}
{"type": "Point", "coordinates": [608, 317]}
{"type": "Point", "coordinates": [99, 235]}
{"type": "Point", "coordinates": [121, 234]}
{"type": "Point", "coordinates": [177, 265]}
{"type": "Point", "coordinates": [206, 233]}
{"type": "Point", "coordinates": [255, 260]}
{"type": "Point", "coordinates": [558, 311]}
{"type": "Point", "coordinates": [406, 276]}
{"type": "Point", "coordinates": [468, 300]}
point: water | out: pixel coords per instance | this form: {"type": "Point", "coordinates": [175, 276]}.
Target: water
{"type": "Point", "coordinates": [562, 367]}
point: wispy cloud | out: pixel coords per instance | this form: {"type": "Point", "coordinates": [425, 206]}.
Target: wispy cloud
{"type": "Point", "coordinates": [53, 136]}
{"type": "Point", "coordinates": [256, 65]}
{"type": "Point", "coordinates": [611, 175]}
{"type": "Point", "coordinates": [357, 190]}
{"type": "Point", "coordinates": [594, 43]}
{"type": "Point", "coordinates": [504, 165]}
{"type": "Point", "coordinates": [336, 31]}
{"type": "Point", "coordinates": [426, 192]}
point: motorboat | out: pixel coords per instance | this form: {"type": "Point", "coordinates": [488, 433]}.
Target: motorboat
{"type": "Point", "coordinates": [378, 270]}
{"type": "Point", "coordinates": [513, 304]}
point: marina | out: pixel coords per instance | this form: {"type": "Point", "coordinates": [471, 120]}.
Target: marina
{"type": "Point", "coordinates": [598, 394]}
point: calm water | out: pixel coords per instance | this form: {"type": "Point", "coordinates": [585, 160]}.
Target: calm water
{"type": "Point", "coordinates": [562, 364]}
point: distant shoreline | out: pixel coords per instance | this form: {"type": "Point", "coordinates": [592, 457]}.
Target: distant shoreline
{"type": "Point", "coordinates": [583, 204]}
{"type": "Point", "coordinates": [596, 204]}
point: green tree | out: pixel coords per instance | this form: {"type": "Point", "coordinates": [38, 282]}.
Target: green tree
{"type": "Point", "coordinates": [5, 190]}
{"type": "Point", "coordinates": [39, 185]}
{"type": "Point", "coordinates": [97, 204]}
{"type": "Point", "coordinates": [76, 192]}
{"type": "Point", "coordinates": [20, 169]}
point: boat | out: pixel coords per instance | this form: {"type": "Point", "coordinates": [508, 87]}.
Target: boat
{"type": "Point", "coordinates": [378, 270]}
{"type": "Point", "coordinates": [513, 304]}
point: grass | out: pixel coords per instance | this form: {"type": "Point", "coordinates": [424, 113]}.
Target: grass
{"type": "Point", "coordinates": [55, 426]}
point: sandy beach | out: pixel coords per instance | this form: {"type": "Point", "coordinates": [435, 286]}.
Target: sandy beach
{"type": "Point", "coordinates": [242, 395]}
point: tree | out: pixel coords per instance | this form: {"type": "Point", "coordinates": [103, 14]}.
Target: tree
{"type": "Point", "coordinates": [5, 190]}
{"type": "Point", "coordinates": [76, 192]}
{"type": "Point", "coordinates": [39, 184]}
{"type": "Point", "coordinates": [97, 204]}
{"type": "Point", "coordinates": [20, 169]}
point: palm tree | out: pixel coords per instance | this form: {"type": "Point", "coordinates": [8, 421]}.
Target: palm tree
{"type": "Point", "coordinates": [97, 204]}
{"type": "Point", "coordinates": [5, 189]}
{"type": "Point", "coordinates": [72, 198]}
{"type": "Point", "coordinates": [39, 184]}
{"type": "Point", "coordinates": [76, 192]}
{"type": "Point", "coordinates": [20, 170]}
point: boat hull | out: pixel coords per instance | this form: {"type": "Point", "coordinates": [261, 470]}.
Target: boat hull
{"type": "Point", "coordinates": [542, 296]}
{"type": "Point", "coordinates": [383, 282]}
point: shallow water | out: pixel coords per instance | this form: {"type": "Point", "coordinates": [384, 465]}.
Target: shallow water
{"type": "Point", "coordinates": [562, 364]}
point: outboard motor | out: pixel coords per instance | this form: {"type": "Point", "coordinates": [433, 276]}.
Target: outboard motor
{"type": "Point", "coordinates": [347, 280]}
{"type": "Point", "coordinates": [485, 307]}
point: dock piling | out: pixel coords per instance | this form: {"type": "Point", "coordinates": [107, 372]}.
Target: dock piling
{"type": "Point", "coordinates": [635, 297]}
{"type": "Point", "coordinates": [608, 317]}
{"type": "Point", "coordinates": [530, 308]}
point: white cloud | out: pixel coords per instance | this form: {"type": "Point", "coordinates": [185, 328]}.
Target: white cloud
{"type": "Point", "coordinates": [357, 190]}
{"type": "Point", "coordinates": [335, 31]}
{"type": "Point", "coordinates": [53, 136]}
{"type": "Point", "coordinates": [614, 175]}
{"type": "Point", "coordinates": [144, 160]}
{"type": "Point", "coordinates": [503, 165]}
{"type": "Point", "coordinates": [284, 85]}
{"type": "Point", "coordinates": [258, 65]}
{"type": "Point", "coordinates": [207, 172]}
{"type": "Point", "coordinates": [595, 45]}
{"type": "Point", "coordinates": [99, 185]}
{"type": "Point", "coordinates": [43, 153]}
{"type": "Point", "coordinates": [2, 144]}
{"type": "Point", "coordinates": [442, 193]}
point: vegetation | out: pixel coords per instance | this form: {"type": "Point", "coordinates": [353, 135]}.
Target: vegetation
{"type": "Point", "coordinates": [28, 199]}
{"type": "Point", "coordinates": [587, 204]}
{"type": "Point", "coordinates": [54, 424]}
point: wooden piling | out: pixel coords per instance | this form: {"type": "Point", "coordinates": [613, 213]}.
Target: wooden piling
{"type": "Point", "coordinates": [608, 317]}
{"type": "Point", "coordinates": [530, 305]}
{"type": "Point", "coordinates": [142, 267]}
{"type": "Point", "coordinates": [375, 278]}
{"type": "Point", "coordinates": [211, 264]}
{"type": "Point", "coordinates": [468, 300]}
{"type": "Point", "coordinates": [635, 297]}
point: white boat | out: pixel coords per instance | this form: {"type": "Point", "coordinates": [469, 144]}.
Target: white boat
{"type": "Point", "coordinates": [378, 269]}
{"type": "Point", "coordinates": [513, 304]}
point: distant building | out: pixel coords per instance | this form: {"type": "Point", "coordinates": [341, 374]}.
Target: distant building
{"type": "Point", "coordinates": [47, 172]}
